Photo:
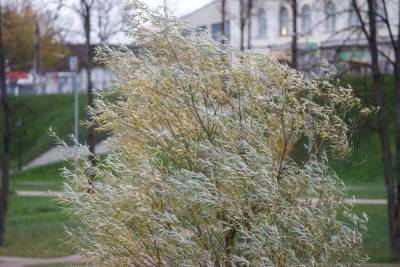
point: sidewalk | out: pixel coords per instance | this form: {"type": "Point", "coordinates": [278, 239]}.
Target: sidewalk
{"type": "Point", "coordinates": [55, 155]}
{"type": "Point", "coordinates": [360, 201]}
{"type": "Point", "coordinates": [20, 262]}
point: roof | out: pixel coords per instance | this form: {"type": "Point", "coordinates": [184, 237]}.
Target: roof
{"type": "Point", "coordinates": [16, 75]}
{"type": "Point", "coordinates": [194, 11]}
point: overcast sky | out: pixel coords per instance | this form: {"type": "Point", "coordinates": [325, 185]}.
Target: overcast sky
{"type": "Point", "coordinates": [71, 25]}
{"type": "Point", "coordinates": [179, 7]}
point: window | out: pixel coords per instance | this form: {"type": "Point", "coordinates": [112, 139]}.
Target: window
{"type": "Point", "coordinates": [216, 29]}
{"type": "Point", "coordinates": [262, 23]}
{"type": "Point", "coordinates": [283, 21]}
{"type": "Point", "coordinates": [353, 17]}
{"type": "Point", "coordinates": [201, 28]}
{"type": "Point", "coordinates": [306, 19]}
{"type": "Point", "coordinates": [330, 21]}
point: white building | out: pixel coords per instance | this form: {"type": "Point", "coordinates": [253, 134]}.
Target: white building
{"type": "Point", "coordinates": [59, 82]}
{"type": "Point", "coordinates": [327, 28]}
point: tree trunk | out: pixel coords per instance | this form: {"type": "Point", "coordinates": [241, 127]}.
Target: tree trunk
{"type": "Point", "coordinates": [36, 56]}
{"type": "Point", "coordinates": [91, 137]}
{"type": "Point", "coordinates": [249, 22]}
{"type": "Point", "coordinates": [395, 241]}
{"type": "Point", "coordinates": [395, 248]}
{"type": "Point", "coordinates": [6, 139]}
{"type": "Point", "coordinates": [223, 19]}
{"type": "Point", "coordinates": [383, 128]}
{"type": "Point", "coordinates": [165, 8]}
{"type": "Point", "coordinates": [242, 23]}
{"type": "Point", "coordinates": [294, 34]}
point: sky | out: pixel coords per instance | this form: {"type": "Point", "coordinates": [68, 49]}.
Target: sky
{"type": "Point", "coordinates": [70, 24]}
{"type": "Point", "coordinates": [179, 7]}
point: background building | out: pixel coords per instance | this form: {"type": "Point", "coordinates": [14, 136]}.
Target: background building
{"type": "Point", "coordinates": [325, 28]}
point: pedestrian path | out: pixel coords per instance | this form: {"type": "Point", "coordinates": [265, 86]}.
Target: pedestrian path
{"type": "Point", "coordinates": [381, 265]}
{"type": "Point", "coordinates": [56, 154]}
{"type": "Point", "coordinates": [24, 193]}
{"type": "Point", "coordinates": [358, 201]}
{"type": "Point", "coordinates": [20, 261]}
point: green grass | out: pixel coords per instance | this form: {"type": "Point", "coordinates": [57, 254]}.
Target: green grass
{"type": "Point", "coordinates": [372, 189]}
{"type": "Point", "coordinates": [35, 228]}
{"type": "Point", "coordinates": [35, 225]}
{"type": "Point", "coordinates": [376, 241]}
{"type": "Point", "coordinates": [362, 172]}
{"type": "Point", "coordinates": [39, 179]}
{"type": "Point", "coordinates": [36, 114]}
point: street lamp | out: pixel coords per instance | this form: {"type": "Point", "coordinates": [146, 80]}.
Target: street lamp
{"type": "Point", "coordinates": [73, 66]}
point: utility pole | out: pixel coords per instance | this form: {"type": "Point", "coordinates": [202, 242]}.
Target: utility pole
{"type": "Point", "coordinates": [19, 142]}
{"type": "Point", "coordinates": [165, 8]}
{"type": "Point", "coordinates": [73, 66]}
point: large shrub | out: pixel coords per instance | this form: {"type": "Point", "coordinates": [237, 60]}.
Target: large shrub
{"type": "Point", "coordinates": [218, 158]}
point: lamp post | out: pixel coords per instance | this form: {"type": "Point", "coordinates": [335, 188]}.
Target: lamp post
{"type": "Point", "coordinates": [19, 142]}
{"type": "Point", "coordinates": [73, 66]}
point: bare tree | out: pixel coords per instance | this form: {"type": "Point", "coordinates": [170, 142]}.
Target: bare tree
{"type": "Point", "coordinates": [223, 19]}
{"type": "Point", "coordinates": [165, 8]}
{"type": "Point", "coordinates": [6, 139]}
{"type": "Point", "coordinates": [106, 16]}
{"type": "Point", "coordinates": [394, 211]}
{"type": "Point", "coordinates": [85, 12]}
{"type": "Point", "coordinates": [396, 46]}
{"type": "Point", "coordinates": [36, 55]}
{"type": "Point", "coordinates": [245, 19]}
{"type": "Point", "coordinates": [294, 48]}
{"type": "Point", "coordinates": [101, 21]}
{"type": "Point", "coordinates": [368, 26]}
{"type": "Point", "coordinates": [242, 22]}
{"type": "Point", "coordinates": [42, 16]}
{"type": "Point", "coordinates": [249, 22]}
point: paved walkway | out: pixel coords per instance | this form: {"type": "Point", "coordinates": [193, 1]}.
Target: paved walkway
{"type": "Point", "coordinates": [359, 201]}
{"type": "Point", "coordinates": [20, 262]}
{"type": "Point", "coordinates": [37, 193]}
{"type": "Point", "coordinates": [55, 155]}
{"type": "Point", "coordinates": [381, 265]}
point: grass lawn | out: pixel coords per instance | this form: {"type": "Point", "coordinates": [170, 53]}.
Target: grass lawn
{"type": "Point", "coordinates": [369, 189]}
{"type": "Point", "coordinates": [39, 179]}
{"type": "Point", "coordinates": [48, 178]}
{"type": "Point", "coordinates": [362, 171]}
{"type": "Point", "coordinates": [376, 241]}
{"type": "Point", "coordinates": [35, 224]}
{"type": "Point", "coordinates": [35, 228]}
{"type": "Point", "coordinates": [31, 118]}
